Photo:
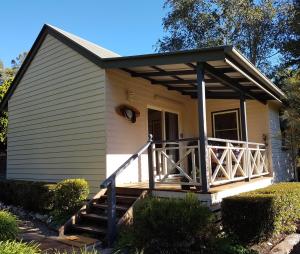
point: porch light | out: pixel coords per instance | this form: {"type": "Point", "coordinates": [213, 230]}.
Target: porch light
{"type": "Point", "coordinates": [129, 112]}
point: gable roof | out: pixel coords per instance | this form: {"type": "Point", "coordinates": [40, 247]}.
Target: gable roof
{"type": "Point", "coordinates": [107, 59]}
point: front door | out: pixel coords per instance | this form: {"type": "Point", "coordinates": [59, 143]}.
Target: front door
{"type": "Point", "coordinates": [164, 125]}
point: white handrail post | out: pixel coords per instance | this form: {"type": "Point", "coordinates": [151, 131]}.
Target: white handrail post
{"type": "Point", "coordinates": [229, 161]}
{"type": "Point", "coordinates": [249, 167]}
{"type": "Point", "coordinates": [194, 173]}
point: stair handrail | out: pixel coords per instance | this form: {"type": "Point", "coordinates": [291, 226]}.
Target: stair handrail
{"type": "Point", "coordinates": [110, 185]}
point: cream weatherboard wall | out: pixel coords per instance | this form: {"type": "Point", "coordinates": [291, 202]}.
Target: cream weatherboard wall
{"type": "Point", "coordinates": [257, 117]}
{"type": "Point", "coordinates": [124, 138]}
{"type": "Point", "coordinates": [56, 118]}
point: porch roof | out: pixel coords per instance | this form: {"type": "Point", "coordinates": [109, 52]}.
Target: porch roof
{"type": "Point", "coordinates": [227, 73]}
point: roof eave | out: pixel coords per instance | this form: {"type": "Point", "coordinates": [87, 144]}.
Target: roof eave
{"type": "Point", "coordinates": [237, 56]}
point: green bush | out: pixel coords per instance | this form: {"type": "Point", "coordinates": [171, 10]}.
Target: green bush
{"type": "Point", "coordinates": [258, 215]}
{"type": "Point", "coordinates": [34, 196]}
{"type": "Point", "coordinates": [81, 251]}
{"type": "Point", "coordinates": [8, 226]}
{"type": "Point", "coordinates": [13, 247]}
{"type": "Point", "coordinates": [70, 195]}
{"type": "Point", "coordinates": [169, 225]}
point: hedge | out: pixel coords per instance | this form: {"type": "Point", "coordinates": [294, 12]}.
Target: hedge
{"type": "Point", "coordinates": [33, 196]}
{"type": "Point", "coordinates": [63, 198]}
{"type": "Point", "coordinates": [163, 225]}
{"type": "Point", "coordinates": [69, 196]}
{"type": "Point", "coordinates": [258, 215]}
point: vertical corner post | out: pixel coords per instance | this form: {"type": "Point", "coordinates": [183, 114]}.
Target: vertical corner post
{"type": "Point", "coordinates": [244, 135]}
{"type": "Point", "coordinates": [203, 143]}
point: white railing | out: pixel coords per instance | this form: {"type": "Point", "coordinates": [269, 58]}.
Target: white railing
{"type": "Point", "coordinates": [177, 162]}
{"type": "Point", "coordinates": [231, 160]}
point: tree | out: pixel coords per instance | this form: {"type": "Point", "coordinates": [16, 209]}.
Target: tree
{"type": "Point", "coordinates": [254, 27]}
{"type": "Point", "coordinates": [291, 44]}
{"type": "Point", "coordinates": [6, 78]}
{"type": "Point", "coordinates": [291, 118]}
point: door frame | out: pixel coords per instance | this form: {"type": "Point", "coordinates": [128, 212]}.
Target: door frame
{"type": "Point", "coordinates": [163, 110]}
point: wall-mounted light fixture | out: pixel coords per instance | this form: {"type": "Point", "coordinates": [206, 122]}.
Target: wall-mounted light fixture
{"type": "Point", "coordinates": [129, 112]}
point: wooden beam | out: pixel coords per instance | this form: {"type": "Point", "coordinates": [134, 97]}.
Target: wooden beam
{"type": "Point", "coordinates": [182, 81]}
{"type": "Point", "coordinates": [203, 143]}
{"type": "Point", "coordinates": [176, 72]}
{"type": "Point", "coordinates": [225, 80]}
{"type": "Point", "coordinates": [164, 73]}
{"type": "Point", "coordinates": [245, 74]}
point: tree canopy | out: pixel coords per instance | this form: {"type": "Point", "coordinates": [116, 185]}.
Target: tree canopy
{"type": "Point", "coordinates": [6, 78]}
{"type": "Point", "coordinates": [291, 44]}
{"type": "Point", "coordinates": [254, 27]}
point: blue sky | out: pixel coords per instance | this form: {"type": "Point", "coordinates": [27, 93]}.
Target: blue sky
{"type": "Point", "coordinates": [126, 27]}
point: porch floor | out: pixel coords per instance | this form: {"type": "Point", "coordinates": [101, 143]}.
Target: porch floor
{"type": "Point", "coordinates": [215, 194]}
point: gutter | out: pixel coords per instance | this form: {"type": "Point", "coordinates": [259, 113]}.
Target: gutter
{"type": "Point", "coordinates": [237, 56]}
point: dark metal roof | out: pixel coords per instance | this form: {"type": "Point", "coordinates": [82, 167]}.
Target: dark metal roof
{"type": "Point", "coordinates": [227, 72]}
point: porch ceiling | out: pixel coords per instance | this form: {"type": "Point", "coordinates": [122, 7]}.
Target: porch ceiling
{"type": "Point", "coordinates": [225, 77]}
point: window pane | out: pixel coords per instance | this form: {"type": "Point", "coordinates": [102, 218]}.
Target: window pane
{"type": "Point", "coordinates": [155, 124]}
{"type": "Point", "coordinates": [225, 121]}
{"type": "Point", "coordinates": [226, 125]}
{"type": "Point", "coordinates": [230, 134]}
{"type": "Point", "coordinates": [171, 122]}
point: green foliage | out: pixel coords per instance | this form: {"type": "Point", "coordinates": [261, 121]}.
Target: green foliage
{"type": "Point", "coordinates": [291, 117]}
{"type": "Point", "coordinates": [33, 196]}
{"type": "Point", "coordinates": [255, 216]}
{"type": "Point", "coordinates": [81, 251]}
{"type": "Point", "coordinates": [8, 226]}
{"type": "Point", "coordinates": [254, 27]}
{"type": "Point", "coordinates": [70, 195]}
{"type": "Point", "coordinates": [169, 226]}
{"type": "Point", "coordinates": [6, 78]}
{"type": "Point", "coordinates": [14, 247]}
{"type": "Point", "coordinates": [224, 245]}
{"type": "Point", "coordinates": [291, 44]}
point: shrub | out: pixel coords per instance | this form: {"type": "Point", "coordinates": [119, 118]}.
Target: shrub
{"type": "Point", "coordinates": [170, 225]}
{"type": "Point", "coordinates": [13, 247]}
{"type": "Point", "coordinates": [69, 195]}
{"type": "Point", "coordinates": [81, 251]}
{"type": "Point", "coordinates": [34, 196]}
{"type": "Point", "coordinates": [255, 216]}
{"type": "Point", "coordinates": [8, 226]}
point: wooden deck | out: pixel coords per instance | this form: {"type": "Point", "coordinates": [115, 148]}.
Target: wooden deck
{"type": "Point", "coordinates": [215, 194]}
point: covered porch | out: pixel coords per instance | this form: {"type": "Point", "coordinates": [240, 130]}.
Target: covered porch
{"type": "Point", "coordinates": [223, 154]}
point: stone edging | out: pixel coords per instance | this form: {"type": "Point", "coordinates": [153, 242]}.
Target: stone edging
{"type": "Point", "coordinates": [286, 246]}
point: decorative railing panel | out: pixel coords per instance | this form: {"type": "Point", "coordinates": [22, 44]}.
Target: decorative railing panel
{"type": "Point", "coordinates": [228, 161]}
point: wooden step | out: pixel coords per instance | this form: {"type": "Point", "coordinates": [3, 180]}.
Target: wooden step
{"type": "Point", "coordinates": [104, 206]}
{"type": "Point", "coordinates": [94, 216]}
{"type": "Point", "coordinates": [124, 198]}
{"type": "Point", "coordinates": [89, 229]}
{"type": "Point", "coordinates": [129, 191]}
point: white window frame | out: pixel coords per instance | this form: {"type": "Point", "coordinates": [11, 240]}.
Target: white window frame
{"type": "Point", "coordinates": [237, 113]}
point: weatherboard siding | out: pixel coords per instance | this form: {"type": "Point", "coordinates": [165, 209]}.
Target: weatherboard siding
{"type": "Point", "coordinates": [124, 137]}
{"type": "Point", "coordinates": [56, 118]}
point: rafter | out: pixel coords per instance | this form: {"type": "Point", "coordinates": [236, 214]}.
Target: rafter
{"type": "Point", "coordinates": [229, 82]}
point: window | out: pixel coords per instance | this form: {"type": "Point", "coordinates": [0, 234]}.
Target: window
{"type": "Point", "coordinates": [226, 124]}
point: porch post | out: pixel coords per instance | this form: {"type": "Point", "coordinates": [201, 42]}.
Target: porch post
{"type": "Point", "coordinates": [244, 131]}
{"type": "Point", "coordinates": [203, 155]}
